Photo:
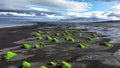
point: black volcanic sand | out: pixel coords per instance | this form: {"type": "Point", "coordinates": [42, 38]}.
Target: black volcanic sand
{"type": "Point", "coordinates": [93, 56]}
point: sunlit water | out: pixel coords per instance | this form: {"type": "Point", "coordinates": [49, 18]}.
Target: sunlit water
{"type": "Point", "coordinates": [110, 32]}
{"type": "Point", "coordinates": [4, 24]}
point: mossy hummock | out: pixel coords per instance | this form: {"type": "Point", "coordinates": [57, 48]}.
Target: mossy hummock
{"type": "Point", "coordinates": [37, 34]}
{"type": "Point", "coordinates": [49, 37]}
{"type": "Point", "coordinates": [26, 64]}
{"type": "Point", "coordinates": [65, 65]}
{"type": "Point", "coordinates": [93, 34]}
{"type": "Point", "coordinates": [57, 34]}
{"type": "Point", "coordinates": [90, 38]}
{"type": "Point", "coordinates": [9, 55]}
{"type": "Point", "coordinates": [53, 63]}
{"type": "Point", "coordinates": [69, 38]}
{"type": "Point", "coordinates": [43, 66]}
{"type": "Point", "coordinates": [26, 46]}
{"type": "Point", "coordinates": [37, 46]}
{"type": "Point", "coordinates": [106, 43]}
{"type": "Point", "coordinates": [55, 40]}
{"type": "Point", "coordinates": [82, 45]}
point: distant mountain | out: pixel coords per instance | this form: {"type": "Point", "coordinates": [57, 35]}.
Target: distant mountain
{"type": "Point", "coordinates": [82, 19]}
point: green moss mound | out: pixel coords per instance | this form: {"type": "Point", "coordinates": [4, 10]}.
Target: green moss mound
{"type": "Point", "coordinates": [43, 66]}
{"type": "Point", "coordinates": [57, 34]}
{"type": "Point", "coordinates": [49, 37]}
{"type": "Point", "coordinates": [9, 55]}
{"type": "Point", "coordinates": [55, 40]}
{"type": "Point", "coordinates": [106, 43]}
{"type": "Point", "coordinates": [65, 65]}
{"type": "Point", "coordinates": [26, 64]}
{"type": "Point", "coordinates": [69, 38]}
{"type": "Point", "coordinates": [39, 38]}
{"type": "Point", "coordinates": [26, 46]}
{"type": "Point", "coordinates": [37, 34]}
{"type": "Point", "coordinates": [37, 46]}
{"type": "Point", "coordinates": [93, 34]}
{"type": "Point", "coordinates": [53, 63]}
{"type": "Point", "coordinates": [82, 45]}
{"type": "Point", "coordinates": [80, 34]}
{"type": "Point", "coordinates": [90, 38]}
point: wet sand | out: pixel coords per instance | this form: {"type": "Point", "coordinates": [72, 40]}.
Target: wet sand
{"type": "Point", "coordinates": [93, 56]}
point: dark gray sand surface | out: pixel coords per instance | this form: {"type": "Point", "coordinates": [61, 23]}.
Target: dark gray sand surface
{"type": "Point", "coordinates": [92, 56]}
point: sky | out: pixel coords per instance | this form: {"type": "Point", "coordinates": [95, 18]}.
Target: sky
{"type": "Point", "coordinates": [63, 10]}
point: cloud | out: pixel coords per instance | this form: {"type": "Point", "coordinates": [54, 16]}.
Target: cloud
{"type": "Point", "coordinates": [16, 14]}
{"type": "Point", "coordinates": [112, 14]}
{"type": "Point", "coordinates": [115, 8]}
{"type": "Point", "coordinates": [97, 14]}
{"type": "Point", "coordinates": [68, 5]}
{"type": "Point", "coordinates": [64, 4]}
{"type": "Point", "coordinates": [54, 17]}
{"type": "Point", "coordinates": [39, 9]}
{"type": "Point", "coordinates": [51, 9]}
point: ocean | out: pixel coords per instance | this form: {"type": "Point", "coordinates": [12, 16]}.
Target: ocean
{"type": "Point", "coordinates": [4, 24]}
{"type": "Point", "coordinates": [111, 30]}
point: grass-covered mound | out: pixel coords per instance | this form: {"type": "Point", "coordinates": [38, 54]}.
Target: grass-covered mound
{"type": "Point", "coordinates": [65, 65]}
{"type": "Point", "coordinates": [106, 43]}
{"type": "Point", "coordinates": [43, 66]}
{"type": "Point", "coordinates": [9, 55]}
{"type": "Point", "coordinates": [26, 64]}
{"type": "Point", "coordinates": [49, 38]}
{"type": "Point", "coordinates": [26, 46]}
{"type": "Point", "coordinates": [57, 34]}
{"type": "Point", "coordinates": [37, 46]}
{"type": "Point", "coordinates": [69, 38]}
{"type": "Point", "coordinates": [82, 45]}
{"type": "Point", "coordinates": [53, 63]}
{"type": "Point", "coordinates": [89, 38]}
{"type": "Point", "coordinates": [55, 40]}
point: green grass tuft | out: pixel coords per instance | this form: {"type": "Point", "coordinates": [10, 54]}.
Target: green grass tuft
{"type": "Point", "coordinates": [85, 44]}
{"type": "Point", "coordinates": [37, 46]}
{"type": "Point", "coordinates": [26, 64]}
{"type": "Point", "coordinates": [49, 37]}
{"type": "Point", "coordinates": [106, 43]}
{"type": "Point", "coordinates": [26, 46]}
{"type": "Point", "coordinates": [53, 63]}
{"type": "Point", "coordinates": [90, 38]}
{"type": "Point", "coordinates": [57, 34]}
{"type": "Point", "coordinates": [69, 38]}
{"type": "Point", "coordinates": [65, 65]}
{"type": "Point", "coordinates": [47, 32]}
{"type": "Point", "coordinates": [93, 34]}
{"type": "Point", "coordinates": [55, 40]}
{"type": "Point", "coordinates": [43, 66]}
{"type": "Point", "coordinates": [9, 55]}
{"type": "Point", "coordinates": [39, 38]}
{"type": "Point", "coordinates": [37, 34]}
{"type": "Point", "coordinates": [80, 34]}
{"type": "Point", "coordinates": [39, 31]}
{"type": "Point", "coordinates": [81, 45]}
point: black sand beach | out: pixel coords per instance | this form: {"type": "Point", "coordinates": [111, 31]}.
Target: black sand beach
{"type": "Point", "coordinates": [94, 55]}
